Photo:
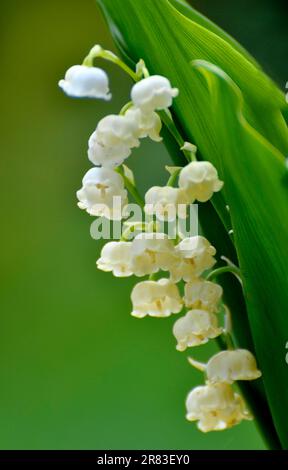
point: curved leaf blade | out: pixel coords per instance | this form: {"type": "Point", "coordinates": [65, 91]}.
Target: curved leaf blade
{"type": "Point", "coordinates": [256, 187]}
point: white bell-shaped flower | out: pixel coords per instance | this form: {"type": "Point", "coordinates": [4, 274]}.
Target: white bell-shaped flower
{"type": "Point", "coordinates": [82, 81]}
{"type": "Point", "coordinates": [103, 193]}
{"type": "Point", "coordinates": [151, 252]}
{"type": "Point", "coordinates": [115, 130]}
{"type": "Point", "coordinates": [228, 366]}
{"type": "Point", "coordinates": [153, 93]}
{"type": "Point", "coordinates": [200, 180]}
{"type": "Point", "coordinates": [156, 299]}
{"type": "Point", "coordinates": [116, 257]}
{"type": "Point", "coordinates": [195, 255]}
{"type": "Point", "coordinates": [216, 407]}
{"type": "Point", "coordinates": [195, 328]}
{"type": "Point", "coordinates": [149, 125]}
{"type": "Point", "coordinates": [105, 156]}
{"type": "Point", "coordinates": [166, 203]}
{"type": "Point", "coordinates": [203, 294]}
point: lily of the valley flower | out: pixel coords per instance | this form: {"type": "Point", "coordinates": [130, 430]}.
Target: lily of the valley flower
{"type": "Point", "coordinates": [116, 257]}
{"type": "Point", "coordinates": [203, 294]}
{"type": "Point", "coordinates": [156, 299]}
{"type": "Point", "coordinates": [228, 366]}
{"type": "Point", "coordinates": [216, 407]}
{"type": "Point", "coordinates": [194, 256]}
{"type": "Point", "coordinates": [151, 252]}
{"type": "Point", "coordinates": [105, 156]}
{"type": "Point", "coordinates": [103, 193]}
{"type": "Point", "coordinates": [114, 130]}
{"type": "Point", "coordinates": [148, 125]}
{"type": "Point", "coordinates": [153, 93]}
{"type": "Point", "coordinates": [195, 328]}
{"type": "Point", "coordinates": [82, 81]}
{"type": "Point", "coordinates": [166, 202]}
{"type": "Point", "coordinates": [111, 143]}
{"type": "Point", "coordinates": [200, 180]}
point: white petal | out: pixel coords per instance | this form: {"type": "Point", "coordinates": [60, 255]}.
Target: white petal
{"type": "Point", "coordinates": [228, 366]}
{"type": "Point", "coordinates": [83, 81]}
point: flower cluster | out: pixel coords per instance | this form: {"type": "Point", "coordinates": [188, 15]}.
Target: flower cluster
{"type": "Point", "coordinates": [198, 181]}
{"type": "Point", "coordinates": [116, 135]}
{"type": "Point", "coordinates": [216, 406]}
{"type": "Point", "coordinates": [177, 269]}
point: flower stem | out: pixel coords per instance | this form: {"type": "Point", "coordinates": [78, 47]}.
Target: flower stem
{"type": "Point", "coordinates": [172, 180]}
{"type": "Point", "coordinates": [125, 108]}
{"type": "Point", "coordinates": [98, 52]}
{"type": "Point", "coordinates": [197, 364]}
{"type": "Point", "coordinates": [131, 188]}
{"type": "Point", "coordinates": [225, 269]}
{"type": "Point", "coordinates": [169, 123]}
{"type": "Point", "coordinates": [131, 229]}
{"type": "Point", "coordinates": [153, 277]}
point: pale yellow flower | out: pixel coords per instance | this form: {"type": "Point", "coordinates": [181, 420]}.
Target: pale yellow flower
{"type": "Point", "coordinates": [228, 366]}
{"type": "Point", "coordinates": [200, 180]}
{"type": "Point", "coordinates": [194, 255]}
{"type": "Point", "coordinates": [151, 252]}
{"type": "Point", "coordinates": [216, 407]}
{"type": "Point", "coordinates": [116, 257]}
{"type": "Point", "coordinates": [195, 328]}
{"type": "Point", "coordinates": [203, 294]}
{"type": "Point", "coordinates": [148, 125]}
{"type": "Point", "coordinates": [166, 202]}
{"type": "Point", "coordinates": [155, 298]}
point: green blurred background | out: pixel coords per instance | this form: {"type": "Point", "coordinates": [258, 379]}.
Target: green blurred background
{"type": "Point", "coordinates": [77, 371]}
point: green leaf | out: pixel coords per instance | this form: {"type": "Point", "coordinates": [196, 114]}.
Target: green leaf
{"type": "Point", "coordinates": [184, 8]}
{"type": "Point", "coordinates": [256, 187]}
{"type": "Point", "coordinates": [168, 41]}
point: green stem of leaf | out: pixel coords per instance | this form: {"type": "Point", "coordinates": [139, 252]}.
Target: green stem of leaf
{"type": "Point", "coordinates": [172, 180]}
{"type": "Point", "coordinates": [131, 188]}
{"type": "Point", "coordinates": [170, 125]}
{"type": "Point", "coordinates": [225, 269]}
{"type": "Point", "coordinates": [110, 57]}
{"type": "Point", "coordinates": [125, 108]}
